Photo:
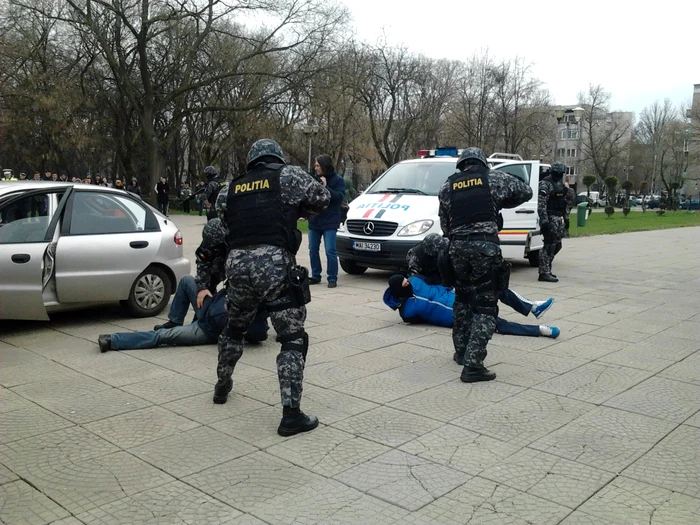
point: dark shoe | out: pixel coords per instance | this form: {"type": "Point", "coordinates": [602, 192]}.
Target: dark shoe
{"type": "Point", "coordinates": [458, 359]}
{"type": "Point", "coordinates": [548, 278]}
{"type": "Point", "coordinates": [472, 374]}
{"type": "Point", "coordinates": [169, 324]}
{"type": "Point", "coordinates": [221, 391]}
{"type": "Point", "coordinates": [332, 284]}
{"type": "Point", "coordinates": [295, 423]}
{"type": "Point", "coordinates": [105, 342]}
{"type": "Point", "coordinates": [314, 280]}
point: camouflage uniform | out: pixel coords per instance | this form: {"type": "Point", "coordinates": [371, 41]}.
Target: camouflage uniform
{"type": "Point", "coordinates": [211, 256]}
{"type": "Point", "coordinates": [475, 254]}
{"type": "Point", "coordinates": [259, 274]}
{"type": "Point", "coordinates": [551, 208]}
{"type": "Point", "coordinates": [422, 259]}
{"type": "Point", "coordinates": [211, 190]}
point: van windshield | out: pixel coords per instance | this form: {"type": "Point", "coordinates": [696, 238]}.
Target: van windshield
{"type": "Point", "coordinates": [422, 178]}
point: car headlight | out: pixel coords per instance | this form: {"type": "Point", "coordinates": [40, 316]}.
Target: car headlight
{"type": "Point", "coordinates": [415, 228]}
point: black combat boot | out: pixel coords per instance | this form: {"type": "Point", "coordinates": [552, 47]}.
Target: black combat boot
{"type": "Point", "coordinates": [548, 278]}
{"type": "Point", "coordinates": [294, 421]}
{"type": "Point", "coordinates": [105, 342]}
{"type": "Point", "coordinates": [221, 391]}
{"type": "Point", "coordinates": [473, 373]}
{"type": "Point", "coordinates": [459, 359]}
{"type": "Point", "coordinates": [169, 324]}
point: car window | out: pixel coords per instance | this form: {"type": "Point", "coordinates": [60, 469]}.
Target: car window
{"type": "Point", "coordinates": [27, 219]}
{"type": "Point", "coordinates": [96, 213]}
{"type": "Point", "coordinates": [522, 171]}
{"type": "Point", "coordinates": [425, 177]}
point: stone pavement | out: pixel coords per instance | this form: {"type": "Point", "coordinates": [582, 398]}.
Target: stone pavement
{"type": "Point", "coordinates": [598, 427]}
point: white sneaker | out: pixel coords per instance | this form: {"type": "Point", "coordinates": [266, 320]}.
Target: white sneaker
{"type": "Point", "coordinates": [549, 331]}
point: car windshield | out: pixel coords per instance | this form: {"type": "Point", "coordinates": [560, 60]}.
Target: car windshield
{"type": "Point", "coordinates": [421, 178]}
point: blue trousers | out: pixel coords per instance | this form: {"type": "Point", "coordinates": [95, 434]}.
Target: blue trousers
{"type": "Point", "coordinates": [331, 254]}
{"type": "Point", "coordinates": [504, 327]}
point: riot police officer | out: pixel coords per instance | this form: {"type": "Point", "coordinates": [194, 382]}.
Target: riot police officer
{"type": "Point", "coordinates": [212, 190]}
{"type": "Point", "coordinates": [260, 210]}
{"type": "Point", "coordinates": [551, 208]}
{"type": "Point", "coordinates": [422, 259]}
{"type": "Point", "coordinates": [470, 201]}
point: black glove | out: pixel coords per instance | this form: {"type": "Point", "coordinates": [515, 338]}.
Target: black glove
{"type": "Point", "coordinates": [546, 229]}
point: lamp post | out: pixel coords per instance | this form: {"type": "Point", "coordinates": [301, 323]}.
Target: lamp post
{"type": "Point", "coordinates": [310, 129]}
{"type": "Point", "coordinates": [564, 116]}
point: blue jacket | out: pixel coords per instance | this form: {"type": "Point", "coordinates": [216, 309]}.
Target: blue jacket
{"type": "Point", "coordinates": [431, 303]}
{"type": "Point", "coordinates": [329, 219]}
{"type": "Point", "coordinates": [213, 318]}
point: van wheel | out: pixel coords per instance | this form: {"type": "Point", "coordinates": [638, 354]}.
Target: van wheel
{"type": "Point", "coordinates": [150, 293]}
{"type": "Point", "coordinates": [534, 258]}
{"type": "Point", "coordinates": [352, 267]}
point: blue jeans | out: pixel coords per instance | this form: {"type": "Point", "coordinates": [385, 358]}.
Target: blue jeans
{"type": "Point", "coordinates": [516, 302]}
{"type": "Point", "coordinates": [185, 296]}
{"type": "Point", "coordinates": [331, 254]}
{"type": "Point", "coordinates": [504, 327]}
{"type": "Point", "coordinates": [189, 335]}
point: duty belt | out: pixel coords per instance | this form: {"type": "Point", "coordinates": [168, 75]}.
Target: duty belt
{"type": "Point", "coordinates": [476, 237]}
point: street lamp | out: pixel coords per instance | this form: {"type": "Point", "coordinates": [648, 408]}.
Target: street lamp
{"type": "Point", "coordinates": [564, 116]}
{"type": "Point", "coordinates": [310, 129]}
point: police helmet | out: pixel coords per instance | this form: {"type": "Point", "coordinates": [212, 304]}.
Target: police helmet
{"type": "Point", "coordinates": [210, 172]}
{"type": "Point", "coordinates": [474, 154]}
{"type": "Point", "coordinates": [557, 168]}
{"type": "Point", "coordinates": [265, 148]}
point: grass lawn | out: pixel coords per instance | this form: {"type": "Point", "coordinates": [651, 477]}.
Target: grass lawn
{"type": "Point", "coordinates": [599, 224]}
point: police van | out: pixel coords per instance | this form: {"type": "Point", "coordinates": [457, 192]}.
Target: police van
{"type": "Point", "coordinates": [401, 207]}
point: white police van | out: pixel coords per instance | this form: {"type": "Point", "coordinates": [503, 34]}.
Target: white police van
{"type": "Point", "coordinates": [401, 207]}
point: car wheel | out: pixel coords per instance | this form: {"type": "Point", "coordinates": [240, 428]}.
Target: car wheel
{"type": "Point", "coordinates": [150, 293]}
{"type": "Point", "coordinates": [534, 258]}
{"type": "Point", "coordinates": [352, 267]}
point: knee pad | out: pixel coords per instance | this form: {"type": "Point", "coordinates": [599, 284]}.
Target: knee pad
{"type": "Point", "coordinates": [233, 333]}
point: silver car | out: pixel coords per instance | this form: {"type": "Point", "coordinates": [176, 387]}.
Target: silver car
{"type": "Point", "coordinates": [66, 246]}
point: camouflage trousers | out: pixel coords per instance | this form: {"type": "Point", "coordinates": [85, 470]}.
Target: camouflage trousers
{"type": "Point", "coordinates": [474, 263]}
{"type": "Point", "coordinates": [552, 245]}
{"type": "Point", "coordinates": [260, 276]}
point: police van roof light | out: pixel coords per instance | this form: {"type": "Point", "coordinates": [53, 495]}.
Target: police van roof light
{"type": "Point", "coordinates": [446, 152]}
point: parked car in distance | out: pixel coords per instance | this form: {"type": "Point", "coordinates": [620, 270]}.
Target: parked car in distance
{"type": "Point", "coordinates": [66, 246]}
{"type": "Point", "coordinates": [692, 204]}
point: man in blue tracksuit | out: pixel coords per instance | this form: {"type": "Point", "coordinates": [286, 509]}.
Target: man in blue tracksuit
{"type": "Point", "coordinates": [419, 302]}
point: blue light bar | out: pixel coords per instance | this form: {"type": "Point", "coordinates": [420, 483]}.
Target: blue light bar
{"type": "Point", "coordinates": [446, 152]}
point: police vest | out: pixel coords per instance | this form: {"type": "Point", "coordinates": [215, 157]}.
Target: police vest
{"type": "Point", "coordinates": [470, 198]}
{"type": "Point", "coordinates": [556, 204]}
{"type": "Point", "coordinates": [255, 213]}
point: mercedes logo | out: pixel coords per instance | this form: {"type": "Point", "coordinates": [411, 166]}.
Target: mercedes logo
{"type": "Point", "coordinates": [368, 228]}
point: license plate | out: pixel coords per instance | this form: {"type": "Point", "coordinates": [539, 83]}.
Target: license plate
{"type": "Point", "coordinates": [367, 246]}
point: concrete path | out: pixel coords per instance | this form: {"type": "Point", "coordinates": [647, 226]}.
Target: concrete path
{"type": "Point", "coordinates": [598, 427]}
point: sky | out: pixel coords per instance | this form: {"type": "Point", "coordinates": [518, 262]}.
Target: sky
{"type": "Point", "coordinates": [637, 53]}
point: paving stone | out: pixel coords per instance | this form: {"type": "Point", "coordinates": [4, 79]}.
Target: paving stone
{"type": "Point", "coordinates": [201, 408]}
{"type": "Point", "coordinates": [40, 369]}
{"type": "Point", "coordinates": [628, 501]}
{"type": "Point", "coordinates": [480, 502]}
{"type": "Point", "coordinates": [454, 399]}
{"type": "Point", "coordinates": [378, 361]}
{"type": "Point", "coordinates": [632, 358]}
{"type": "Point", "coordinates": [254, 481]}
{"type": "Point", "coordinates": [6, 475]}
{"type": "Point", "coordinates": [61, 387]}
{"type": "Point", "coordinates": [605, 438]}
{"type": "Point", "coordinates": [588, 346]}
{"type": "Point", "coordinates": [593, 382]}
{"type": "Point", "coordinates": [73, 443]}
{"type": "Point", "coordinates": [30, 421]}
{"type": "Point", "coordinates": [257, 427]}
{"type": "Point", "coordinates": [685, 330]}
{"type": "Point", "coordinates": [99, 405]}
{"type": "Point", "coordinates": [402, 479]}
{"type": "Point", "coordinates": [519, 375]}
{"type": "Point", "coordinates": [141, 426]}
{"type": "Point", "coordinates": [327, 451]}
{"type": "Point", "coordinates": [694, 420]}
{"type": "Point", "coordinates": [81, 486]}
{"type": "Point", "coordinates": [661, 398]}
{"type": "Point", "coordinates": [172, 503]}
{"type": "Point", "coordinates": [116, 368]}
{"type": "Point", "coordinates": [436, 342]}
{"type": "Point", "coordinates": [324, 333]}
{"type": "Point", "coordinates": [332, 373]}
{"type": "Point", "coordinates": [10, 401]}
{"type": "Point", "coordinates": [379, 389]}
{"type": "Point", "coordinates": [427, 373]}
{"type": "Point", "coordinates": [524, 417]}
{"type": "Point", "coordinates": [544, 363]}
{"type": "Point", "coordinates": [687, 370]}
{"type": "Point", "coordinates": [331, 406]}
{"type": "Point", "coordinates": [168, 388]}
{"type": "Point", "coordinates": [460, 449]}
{"type": "Point", "coordinates": [387, 426]}
{"type": "Point", "coordinates": [674, 463]}
{"type": "Point", "coordinates": [549, 477]}
{"type": "Point", "coordinates": [191, 451]}
{"type": "Point", "coordinates": [22, 504]}
{"type": "Point", "coordinates": [264, 389]}
{"type": "Point", "coordinates": [406, 352]}
{"type": "Point", "coordinates": [16, 356]}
